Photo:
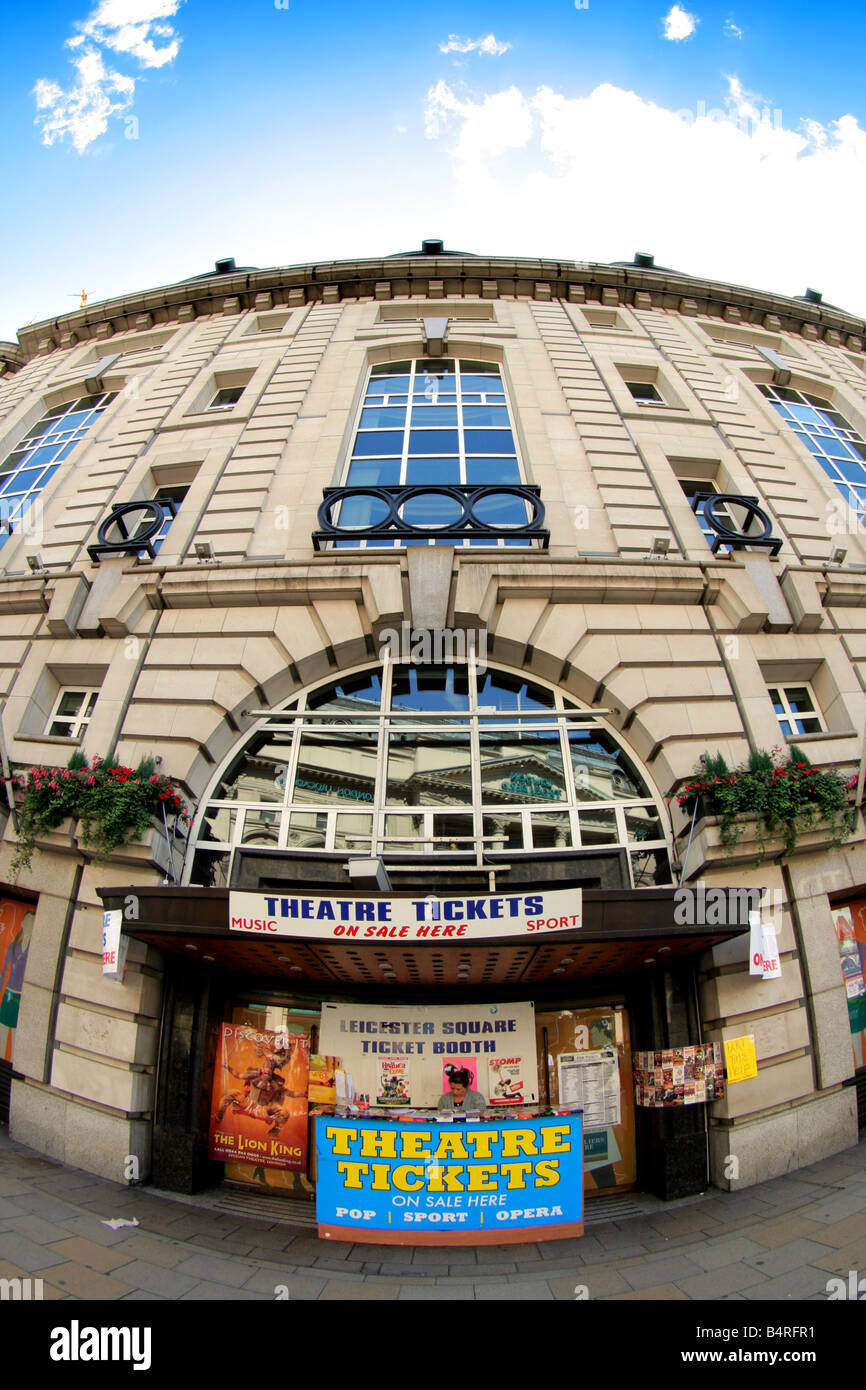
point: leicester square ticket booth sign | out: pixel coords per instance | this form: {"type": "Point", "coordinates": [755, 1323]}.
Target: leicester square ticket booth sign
{"type": "Point", "coordinates": [471, 1183]}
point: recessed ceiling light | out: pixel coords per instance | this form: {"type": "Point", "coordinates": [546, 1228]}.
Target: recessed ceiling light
{"type": "Point", "coordinates": [190, 947]}
{"type": "Point", "coordinates": [210, 958]}
{"type": "Point", "coordinates": [287, 960]}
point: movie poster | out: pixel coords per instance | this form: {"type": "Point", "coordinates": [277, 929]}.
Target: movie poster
{"type": "Point", "coordinates": [393, 1088]}
{"type": "Point", "coordinates": [506, 1081]}
{"type": "Point", "coordinates": [259, 1104]}
{"type": "Point", "coordinates": [322, 1081]}
{"type": "Point", "coordinates": [16, 926]}
{"type": "Point", "coordinates": [451, 1064]}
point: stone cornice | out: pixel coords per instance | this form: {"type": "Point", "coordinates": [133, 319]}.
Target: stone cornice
{"type": "Point", "coordinates": [441, 277]}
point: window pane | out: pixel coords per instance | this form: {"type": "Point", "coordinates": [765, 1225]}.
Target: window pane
{"type": "Point", "coordinates": [378, 417]}
{"type": "Point", "coordinates": [70, 702]}
{"type": "Point", "coordinates": [481, 470]}
{"type": "Point", "coordinates": [642, 823]}
{"type": "Point", "coordinates": [651, 868]}
{"type": "Point", "coordinates": [335, 767]}
{"type": "Point", "coordinates": [261, 828]}
{"type": "Point", "coordinates": [362, 693]}
{"type": "Point", "coordinates": [522, 767]}
{"type": "Point", "coordinates": [598, 827]}
{"type": "Point", "coordinates": [601, 770]}
{"type": "Point", "coordinates": [551, 831]}
{"type": "Point", "coordinates": [307, 830]}
{"type": "Point", "coordinates": [432, 509]}
{"type": "Point", "coordinates": [433, 470]}
{"type": "Point", "coordinates": [798, 699]}
{"type": "Point", "coordinates": [500, 691]}
{"type": "Point", "coordinates": [375, 473]}
{"type": "Point", "coordinates": [379, 442]}
{"type": "Point", "coordinates": [434, 442]}
{"type": "Point", "coordinates": [430, 688]}
{"type": "Point", "coordinates": [502, 831]}
{"type": "Point", "coordinates": [441, 415]}
{"type": "Point", "coordinates": [364, 510]}
{"type": "Point", "coordinates": [259, 773]}
{"type": "Point", "coordinates": [353, 833]}
{"type": "Point", "coordinates": [459, 832]}
{"type": "Point", "coordinates": [479, 415]}
{"type": "Point", "coordinates": [429, 770]}
{"type": "Point", "coordinates": [501, 509]}
{"type": "Point", "coordinates": [218, 824]}
{"type": "Point", "coordinates": [489, 442]}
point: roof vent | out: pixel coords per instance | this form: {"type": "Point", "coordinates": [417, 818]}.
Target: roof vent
{"type": "Point", "coordinates": [813, 296]}
{"type": "Point", "coordinates": [432, 247]}
{"type": "Point", "coordinates": [644, 260]}
{"type": "Point", "coordinates": [225, 267]}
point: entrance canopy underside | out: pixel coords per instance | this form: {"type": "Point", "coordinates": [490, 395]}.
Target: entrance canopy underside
{"type": "Point", "coordinates": [623, 933]}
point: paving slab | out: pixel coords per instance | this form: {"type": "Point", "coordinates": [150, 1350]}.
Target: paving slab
{"type": "Point", "coordinates": [786, 1257]}
{"type": "Point", "coordinates": [85, 1283]}
{"type": "Point", "coordinates": [665, 1293]}
{"type": "Point", "coordinates": [796, 1285]}
{"type": "Point", "coordinates": [732, 1278]}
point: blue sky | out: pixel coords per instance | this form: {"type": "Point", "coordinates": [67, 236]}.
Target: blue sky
{"type": "Point", "coordinates": [143, 139]}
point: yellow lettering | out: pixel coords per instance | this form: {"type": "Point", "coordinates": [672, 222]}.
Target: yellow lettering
{"type": "Point", "coordinates": [400, 1177]}
{"type": "Point", "coordinates": [413, 1145]}
{"type": "Point", "coordinates": [481, 1140]}
{"type": "Point", "coordinates": [381, 1176]}
{"type": "Point", "coordinates": [517, 1174]}
{"type": "Point", "coordinates": [518, 1141]}
{"type": "Point", "coordinates": [451, 1146]}
{"type": "Point", "coordinates": [378, 1143]}
{"type": "Point", "coordinates": [444, 1179]}
{"type": "Point", "coordinates": [553, 1140]}
{"type": "Point", "coordinates": [353, 1173]}
{"type": "Point", "coordinates": [342, 1139]}
{"type": "Point", "coordinates": [482, 1178]}
{"type": "Point", "coordinates": [547, 1172]}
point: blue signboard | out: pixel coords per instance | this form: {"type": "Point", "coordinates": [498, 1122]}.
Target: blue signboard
{"type": "Point", "coordinates": [467, 1182]}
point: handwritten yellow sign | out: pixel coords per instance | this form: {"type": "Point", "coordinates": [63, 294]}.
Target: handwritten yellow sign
{"type": "Point", "coordinates": [741, 1059]}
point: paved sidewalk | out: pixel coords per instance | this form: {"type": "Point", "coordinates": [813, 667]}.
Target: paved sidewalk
{"type": "Point", "coordinates": [783, 1240]}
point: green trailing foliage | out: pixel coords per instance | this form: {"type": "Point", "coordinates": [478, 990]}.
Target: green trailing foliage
{"type": "Point", "coordinates": [782, 792]}
{"type": "Point", "coordinates": [115, 804]}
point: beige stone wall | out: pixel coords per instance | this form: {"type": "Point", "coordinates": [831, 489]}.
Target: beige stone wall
{"type": "Point", "coordinates": [680, 649]}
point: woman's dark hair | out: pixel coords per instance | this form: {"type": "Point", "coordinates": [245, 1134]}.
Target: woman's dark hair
{"type": "Point", "coordinates": [461, 1076]}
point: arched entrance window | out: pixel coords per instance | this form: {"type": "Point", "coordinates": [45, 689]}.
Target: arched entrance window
{"type": "Point", "coordinates": [403, 760]}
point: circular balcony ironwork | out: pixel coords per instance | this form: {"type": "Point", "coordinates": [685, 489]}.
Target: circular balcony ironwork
{"type": "Point", "coordinates": [486, 511]}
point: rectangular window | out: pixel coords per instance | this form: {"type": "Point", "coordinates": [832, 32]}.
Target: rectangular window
{"type": "Point", "coordinates": [797, 710]}
{"type": "Point", "coordinates": [645, 393]}
{"type": "Point", "coordinates": [71, 714]}
{"type": "Point", "coordinates": [443, 422]}
{"type": "Point", "coordinates": [837, 446]}
{"type": "Point", "coordinates": [33, 462]}
{"type": "Point", "coordinates": [226, 398]}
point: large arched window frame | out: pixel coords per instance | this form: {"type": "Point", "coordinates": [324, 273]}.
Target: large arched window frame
{"type": "Point", "coordinates": [474, 765]}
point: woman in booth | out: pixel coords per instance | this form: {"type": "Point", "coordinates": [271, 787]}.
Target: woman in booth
{"type": "Point", "coordinates": [459, 1095]}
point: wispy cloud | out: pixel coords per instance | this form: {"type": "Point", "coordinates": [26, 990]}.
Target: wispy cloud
{"type": "Point", "coordinates": [490, 45]}
{"type": "Point", "coordinates": [524, 159]}
{"type": "Point", "coordinates": [732, 30]}
{"type": "Point", "coordinates": [679, 24]}
{"type": "Point", "coordinates": [137, 29]}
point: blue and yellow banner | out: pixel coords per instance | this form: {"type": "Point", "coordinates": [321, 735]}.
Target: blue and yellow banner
{"type": "Point", "coordinates": [465, 1183]}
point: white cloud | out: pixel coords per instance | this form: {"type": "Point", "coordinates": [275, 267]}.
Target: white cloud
{"type": "Point", "coordinates": [732, 30]}
{"type": "Point", "coordinates": [679, 24]}
{"type": "Point", "coordinates": [134, 28]}
{"type": "Point", "coordinates": [489, 45]}
{"type": "Point", "coordinates": [594, 177]}
{"type": "Point", "coordinates": [84, 110]}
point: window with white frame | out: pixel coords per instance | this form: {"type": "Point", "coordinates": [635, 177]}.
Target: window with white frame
{"type": "Point", "coordinates": [71, 714]}
{"type": "Point", "coordinates": [826, 433]}
{"type": "Point", "coordinates": [35, 459]}
{"type": "Point", "coordinates": [797, 710]}
{"type": "Point", "coordinates": [443, 421]}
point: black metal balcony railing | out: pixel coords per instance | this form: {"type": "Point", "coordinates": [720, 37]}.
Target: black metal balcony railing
{"type": "Point", "coordinates": [432, 511]}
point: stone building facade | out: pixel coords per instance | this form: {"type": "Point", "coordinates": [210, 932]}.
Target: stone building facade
{"type": "Point", "coordinates": [624, 396]}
